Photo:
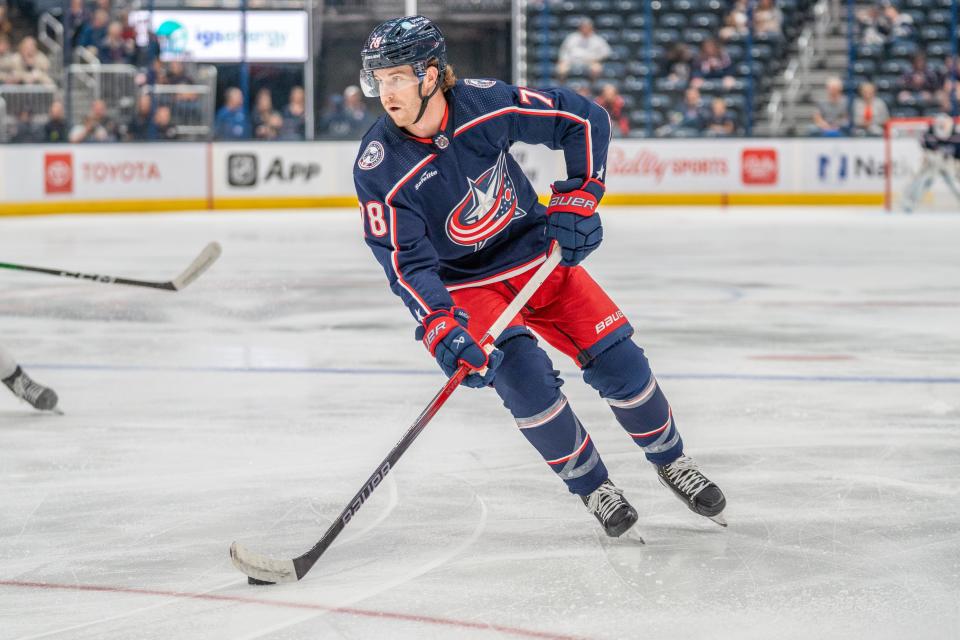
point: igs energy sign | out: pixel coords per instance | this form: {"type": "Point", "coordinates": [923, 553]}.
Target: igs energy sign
{"type": "Point", "coordinates": [214, 36]}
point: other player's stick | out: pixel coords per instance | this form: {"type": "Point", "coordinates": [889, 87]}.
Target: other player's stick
{"type": "Point", "coordinates": [261, 569]}
{"type": "Point", "coordinates": [200, 264]}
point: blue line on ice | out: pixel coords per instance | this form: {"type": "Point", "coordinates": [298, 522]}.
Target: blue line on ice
{"type": "Point", "coordinates": [430, 372]}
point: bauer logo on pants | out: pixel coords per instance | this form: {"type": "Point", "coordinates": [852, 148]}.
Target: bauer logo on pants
{"type": "Point", "coordinates": [58, 173]}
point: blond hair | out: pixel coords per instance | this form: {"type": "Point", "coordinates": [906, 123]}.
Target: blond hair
{"type": "Point", "coordinates": [449, 78]}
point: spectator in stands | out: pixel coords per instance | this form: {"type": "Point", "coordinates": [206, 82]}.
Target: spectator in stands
{"type": "Point", "coordinates": [177, 73]}
{"type": "Point", "coordinates": [8, 61]}
{"type": "Point", "coordinates": [148, 52]}
{"type": "Point", "coordinates": [96, 127]}
{"type": "Point", "coordinates": [768, 19]}
{"type": "Point", "coordinates": [294, 116]}
{"type": "Point", "coordinates": [679, 62]}
{"type": "Point", "coordinates": [23, 129]}
{"type": "Point", "coordinates": [139, 126]}
{"type": "Point", "coordinates": [113, 49]}
{"type": "Point", "coordinates": [611, 100]}
{"type": "Point", "coordinates": [873, 27]}
{"type": "Point", "coordinates": [921, 81]}
{"type": "Point", "coordinates": [735, 23]}
{"type": "Point", "coordinates": [831, 117]}
{"type": "Point", "coordinates": [33, 67]}
{"type": "Point", "coordinates": [77, 19]}
{"type": "Point", "coordinates": [582, 51]}
{"type": "Point", "coordinates": [55, 129]}
{"type": "Point", "coordinates": [6, 27]}
{"type": "Point", "coordinates": [950, 74]}
{"type": "Point", "coordinates": [719, 123]}
{"type": "Point", "coordinates": [267, 121]}
{"type": "Point", "coordinates": [898, 26]}
{"type": "Point", "coordinates": [690, 113]}
{"type": "Point", "coordinates": [582, 89]}
{"type": "Point", "coordinates": [162, 128]}
{"type": "Point", "coordinates": [187, 103]}
{"type": "Point", "coordinates": [231, 122]}
{"type": "Point", "coordinates": [352, 119]}
{"type": "Point", "coordinates": [712, 62]}
{"type": "Point", "coordinates": [869, 112]}
{"type": "Point", "coordinates": [93, 33]}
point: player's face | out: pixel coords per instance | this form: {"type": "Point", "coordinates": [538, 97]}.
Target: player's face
{"type": "Point", "coordinates": [399, 93]}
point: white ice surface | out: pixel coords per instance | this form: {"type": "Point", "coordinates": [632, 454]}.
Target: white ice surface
{"type": "Point", "coordinates": [812, 359]}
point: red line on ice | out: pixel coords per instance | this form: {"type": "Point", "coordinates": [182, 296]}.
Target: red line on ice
{"type": "Point", "coordinates": [799, 357]}
{"type": "Point", "coordinates": [365, 613]}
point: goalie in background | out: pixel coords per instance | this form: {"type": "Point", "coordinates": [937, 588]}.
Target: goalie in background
{"type": "Point", "coordinates": [23, 386]}
{"type": "Point", "coordinates": [941, 152]}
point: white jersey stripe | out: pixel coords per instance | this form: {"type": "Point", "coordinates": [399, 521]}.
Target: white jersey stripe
{"type": "Point", "coordinates": [394, 260]}
{"type": "Point", "coordinates": [537, 112]}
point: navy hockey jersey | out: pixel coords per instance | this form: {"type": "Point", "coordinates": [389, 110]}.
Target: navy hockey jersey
{"type": "Point", "coordinates": [456, 210]}
{"type": "Point", "coordinates": [949, 148]}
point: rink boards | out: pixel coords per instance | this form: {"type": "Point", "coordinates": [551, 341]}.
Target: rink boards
{"type": "Point", "coordinates": [37, 179]}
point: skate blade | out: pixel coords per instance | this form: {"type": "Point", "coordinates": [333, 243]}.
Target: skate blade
{"type": "Point", "coordinates": [633, 536]}
{"type": "Point", "coordinates": [719, 519]}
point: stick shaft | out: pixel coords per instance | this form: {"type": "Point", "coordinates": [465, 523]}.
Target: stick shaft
{"type": "Point", "coordinates": [304, 562]}
{"type": "Point", "coordinates": [87, 276]}
{"type": "Point", "coordinates": [200, 264]}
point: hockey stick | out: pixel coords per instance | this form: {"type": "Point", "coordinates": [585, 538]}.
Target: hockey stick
{"type": "Point", "coordinates": [264, 570]}
{"type": "Point", "coordinates": [200, 264]}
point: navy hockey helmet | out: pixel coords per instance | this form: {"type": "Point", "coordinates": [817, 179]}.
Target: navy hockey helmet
{"type": "Point", "coordinates": [413, 40]}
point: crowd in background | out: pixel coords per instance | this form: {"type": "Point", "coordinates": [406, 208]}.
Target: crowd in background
{"type": "Point", "coordinates": [701, 77]}
{"type": "Point", "coordinates": [884, 27]}
{"type": "Point", "coordinates": [100, 32]}
{"type": "Point", "coordinates": [584, 51]}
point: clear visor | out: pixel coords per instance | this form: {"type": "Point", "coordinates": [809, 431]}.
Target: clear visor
{"type": "Point", "coordinates": [390, 83]}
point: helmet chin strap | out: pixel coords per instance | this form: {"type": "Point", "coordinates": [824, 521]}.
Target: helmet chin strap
{"type": "Point", "coordinates": [425, 99]}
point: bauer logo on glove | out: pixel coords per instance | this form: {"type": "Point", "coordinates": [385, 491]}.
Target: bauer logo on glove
{"type": "Point", "coordinates": [572, 219]}
{"type": "Point", "coordinates": [444, 334]}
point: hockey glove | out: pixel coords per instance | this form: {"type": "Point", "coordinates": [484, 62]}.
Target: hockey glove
{"type": "Point", "coordinates": [572, 219]}
{"type": "Point", "coordinates": [444, 334]}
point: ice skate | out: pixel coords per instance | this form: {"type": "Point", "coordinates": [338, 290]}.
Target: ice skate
{"type": "Point", "coordinates": [37, 395]}
{"type": "Point", "coordinates": [683, 477]}
{"type": "Point", "coordinates": [611, 509]}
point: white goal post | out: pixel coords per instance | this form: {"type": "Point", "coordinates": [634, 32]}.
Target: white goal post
{"type": "Point", "coordinates": [903, 158]}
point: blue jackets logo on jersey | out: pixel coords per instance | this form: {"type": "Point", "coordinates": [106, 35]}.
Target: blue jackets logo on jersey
{"type": "Point", "coordinates": [372, 156]}
{"type": "Point", "coordinates": [487, 208]}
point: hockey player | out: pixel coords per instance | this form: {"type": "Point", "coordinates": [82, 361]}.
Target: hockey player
{"type": "Point", "coordinates": [458, 229]}
{"type": "Point", "coordinates": [941, 152]}
{"type": "Point", "coordinates": [23, 386]}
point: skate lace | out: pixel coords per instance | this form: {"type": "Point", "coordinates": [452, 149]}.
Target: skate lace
{"type": "Point", "coordinates": [684, 474]}
{"type": "Point", "coordinates": [605, 500]}
{"type": "Point", "coordinates": [24, 387]}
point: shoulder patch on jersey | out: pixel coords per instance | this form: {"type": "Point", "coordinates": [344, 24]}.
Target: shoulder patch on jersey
{"type": "Point", "coordinates": [479, 84]}
{"type": "Point", "coordinates": [371, 156]}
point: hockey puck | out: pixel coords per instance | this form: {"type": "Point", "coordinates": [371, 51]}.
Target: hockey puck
{"type": "Point", "coordinates": [252, 580]}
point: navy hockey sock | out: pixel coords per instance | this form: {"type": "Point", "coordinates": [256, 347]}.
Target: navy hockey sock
{"type": "Point", "coordinates": [622, 376]}
{"type": "Point", "coordinates": [530, 388]}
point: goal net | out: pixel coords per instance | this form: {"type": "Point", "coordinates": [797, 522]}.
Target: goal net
{"type": "Point", "coordinates": [903, 158]}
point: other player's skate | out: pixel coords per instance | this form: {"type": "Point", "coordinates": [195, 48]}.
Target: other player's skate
{"type": "Point", "coordinates": [25, 388]}
{"type": "Point", "coordinates": [683, 477]}
{"type": "Point", "coordinates": [611, 509]}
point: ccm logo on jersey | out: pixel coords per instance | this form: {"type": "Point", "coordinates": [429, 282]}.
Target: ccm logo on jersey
{"type": "Point", "coordinates": [609, 321]}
